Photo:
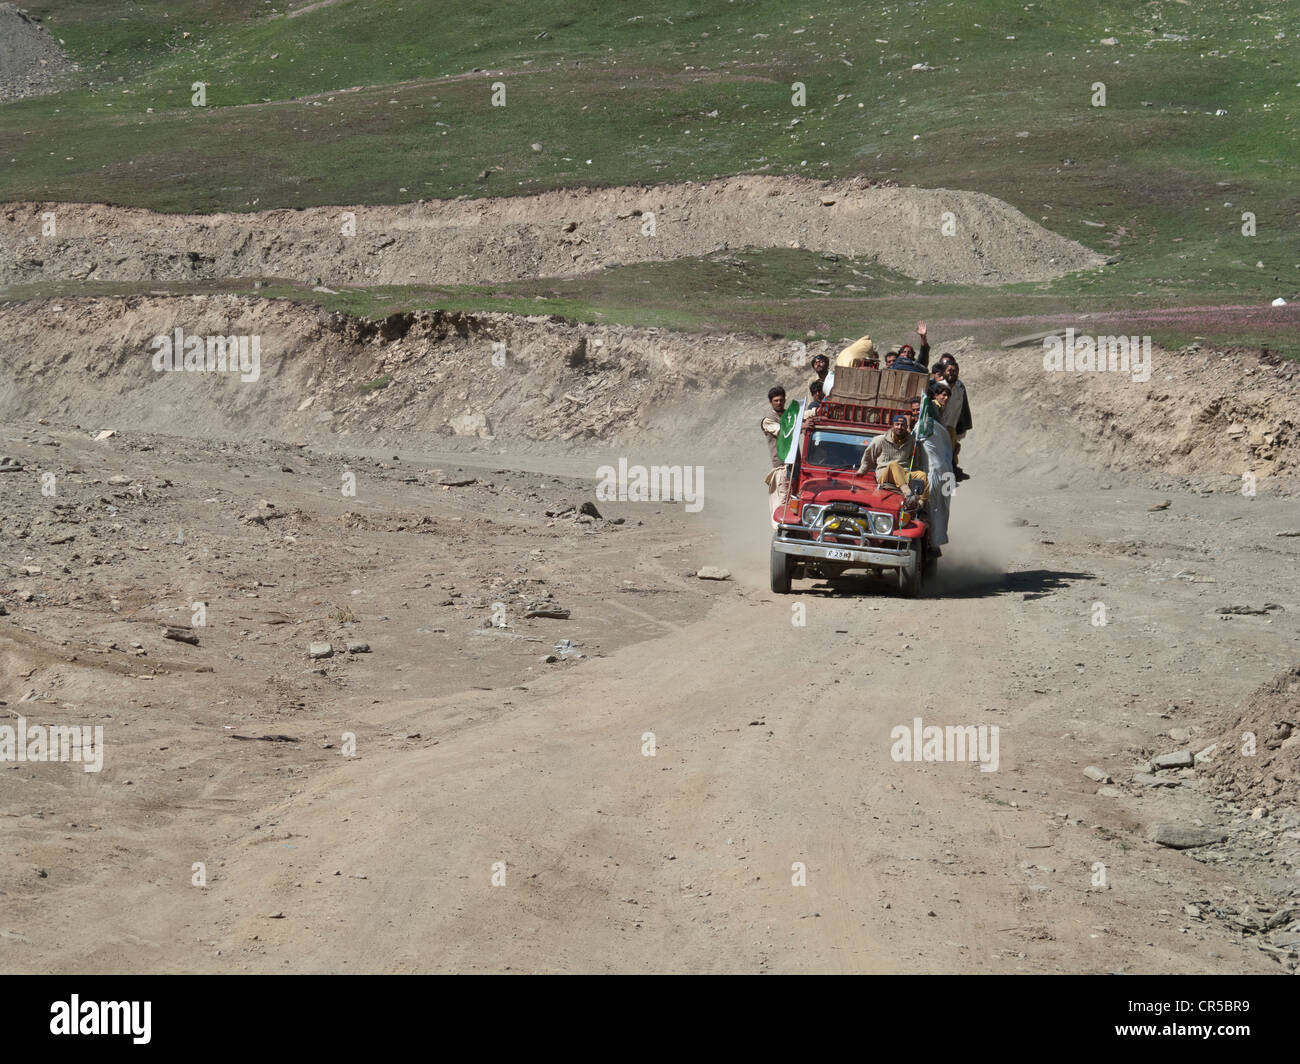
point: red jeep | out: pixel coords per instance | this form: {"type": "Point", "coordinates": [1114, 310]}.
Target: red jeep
{"type": "Point", "coordinates": [838, 519]}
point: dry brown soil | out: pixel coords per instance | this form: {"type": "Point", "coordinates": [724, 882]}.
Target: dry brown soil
{"type": "Point", "coordinates": [561, 233]}
{"type": "Point", "coordinates": [772, 738]}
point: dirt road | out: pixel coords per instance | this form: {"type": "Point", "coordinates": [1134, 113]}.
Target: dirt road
{"type": "Point", "coordinates": [772, 741]}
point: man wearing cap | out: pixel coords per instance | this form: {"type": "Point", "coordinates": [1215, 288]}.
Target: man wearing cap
{"type": "Point", "coordinates": [909, 352]}
{"type": "Point", "coordinates": [908, 358]}
{"type": "Point", "coordinates": [890, 454]}
{"type": "Point", "coordinates": [904, 361]}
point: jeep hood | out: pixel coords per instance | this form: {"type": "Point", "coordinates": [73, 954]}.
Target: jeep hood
{"type": "Point", "coordinates": [861, 490]}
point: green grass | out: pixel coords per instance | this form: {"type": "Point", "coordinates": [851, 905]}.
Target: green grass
{"type": "Point", "coordinates": [784, 292]}
{"type": "Point", "coordinates": [376, 385]}
{"type": "Point", "coordinates": [666, 92]}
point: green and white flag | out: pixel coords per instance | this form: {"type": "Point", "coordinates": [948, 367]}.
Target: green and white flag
{"type": "Point", "coordinates": [925, 421]}
{"type": "Point", "coordinates": [787, 440]}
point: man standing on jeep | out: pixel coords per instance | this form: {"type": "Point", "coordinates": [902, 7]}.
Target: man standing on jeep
{"type": "Point", "coordinates": [778, 478]}
{"type": "Point", "coordinates": [956, 415]}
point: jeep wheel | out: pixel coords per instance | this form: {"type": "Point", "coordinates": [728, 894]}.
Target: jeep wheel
{"type": "Point", "coordinates": [910, 583]}
{"type": "Point", "coordinates": [781, 566]}
{"type": "Point", "coordinates": [931, 565]}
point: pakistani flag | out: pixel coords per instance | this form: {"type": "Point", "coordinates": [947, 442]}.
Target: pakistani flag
{"type": "Point", "coordinates": [787, 440]}
{"type": "Point", "coordinates": [925, 420]}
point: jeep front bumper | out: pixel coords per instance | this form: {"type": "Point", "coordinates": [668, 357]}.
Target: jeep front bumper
{"type": "Point", "coordinates": [884, 556]}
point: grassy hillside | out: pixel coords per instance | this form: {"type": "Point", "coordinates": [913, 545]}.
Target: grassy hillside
{"type": "Point", "coordinates": [362, 101]}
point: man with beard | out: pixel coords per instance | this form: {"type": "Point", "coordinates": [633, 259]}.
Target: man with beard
{"type": "Point", "coordinates": [956, 415]}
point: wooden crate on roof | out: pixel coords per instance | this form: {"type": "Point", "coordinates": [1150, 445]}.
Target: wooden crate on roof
{"type": "Point", "coordinates": [900, 385]}
{"type": "Point", "coordinates": [856, 384]}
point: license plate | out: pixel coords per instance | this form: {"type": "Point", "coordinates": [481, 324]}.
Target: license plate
{"type": "Point", "coordinates": [838, 555]}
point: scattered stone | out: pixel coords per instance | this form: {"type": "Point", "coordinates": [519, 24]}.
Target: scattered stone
{"type": "Point", "coordinates": [1179, 735]}
{"type": "Point", "coordinates": [589, 508]}
{"type": "Point", "coordinates": [355, 646]}
{"type": "Point", "coordinates": [470, 424]}
{"type": "Point", "coordinates": [10, 465]}
{"type": "Point", "coordinates": [320, 650]}
{"type": "Point", "coordinates": [1207, 754]}
{"type": "Point", "coordinates": [1179, 837]}
{"type": "Point", "coordinates": [180, 634]}
{"type": "Point", "coordinates": [118, 480]}
{"type": "Point", "coordinates": [1110, 792]}
{"type": "Point", "coordinates": [1174, 759]}
{"type": "Point", "coordinates": [557, 613]}
{"type": "Point", "coordinates": [32, 570]}
{"type": "Point", "coordinates": [550, 659]}
{"type": "Point", "coordinates": [1097, 775]}
{"type": "Point", "coordinates": [1160, 506]}
{"type": "Point", "coordinates": [107, 434]}
{"type": "Point", "coordinates": [712, 572]}
{"type": "Point", "coordinates": [1249, 611]}
{"type": "Point", "coordinates": [457, 482]}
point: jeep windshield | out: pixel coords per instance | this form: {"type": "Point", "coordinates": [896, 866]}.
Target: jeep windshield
{"type": "Point", "coordinates": [835, 450]}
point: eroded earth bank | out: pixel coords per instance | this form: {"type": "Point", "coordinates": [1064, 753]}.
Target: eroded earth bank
{"type": "Point", "coordinates": [496, 737]}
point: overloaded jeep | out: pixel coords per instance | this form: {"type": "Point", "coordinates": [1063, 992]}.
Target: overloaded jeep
{"type": "Point", "coordinates": [838, 520]}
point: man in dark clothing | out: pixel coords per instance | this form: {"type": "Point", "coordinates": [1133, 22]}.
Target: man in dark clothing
{"type": "Point", "coordinates": [957, 414]}
{"type": "Point", "coordinates": [818, 393]}
{"type": "Point", "coordinates": [908, 359]}
{"type": "Point", "coordinates": [908, 352]}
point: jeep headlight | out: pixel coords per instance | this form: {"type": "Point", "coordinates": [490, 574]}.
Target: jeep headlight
{"type": "Point", "coordinates": [882, 524]}
{"type": "Point", "coordinates": [812, 514]}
